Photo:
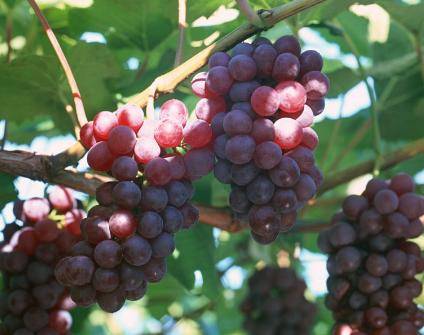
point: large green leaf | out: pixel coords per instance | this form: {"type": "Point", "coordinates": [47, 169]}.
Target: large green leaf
{"type": "Point", "coordinates": [410, 16]}
{"type": "Point", "coordinates": [196, 251]}
{"type": "Point", "coordinates": [8, 191]}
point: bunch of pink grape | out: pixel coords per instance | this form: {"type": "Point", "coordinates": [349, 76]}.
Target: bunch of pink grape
{"type": "Point", "coordinates": [33, 301]}
{"type": "Point", "coordinates": [128, 236]}
{"type": "Point", "coordinates": [261, 102]}
{"type": "Point", "coordinates": [372, 265]}
{"type": "Point", "coordinates": [170, 148]}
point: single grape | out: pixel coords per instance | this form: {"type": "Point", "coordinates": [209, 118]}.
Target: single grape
{"type": "Point", "coordinates": [87, 135]}
{"type": "Point", "coordinates": [288, 133]}
{"type": "Point", "coordinates": [376, 265]}
{"type": "Point", "coordinates": [260, 190]}
{"type": "Point", "coordinates": [263, 220]}
{"type": "Point", "coordinates": [153, 198]}
{"type": "Point", "coordinates": [264, 56]}
{"type": "Point", "coordinates": [150, 225]}
{"type": "Point", "coordinates": [267, 155]}
{"type": "Point", "coordinates": [121, 140]}
{"type": "Point", "coordinates": [310, 60]}
{"type": "Point", "coordinates": [219, 146]}
{"type": "Point", "coordinates": [286, 67]}
{"type": "Point", "coordinates": [95, 229]}
{"type": "Point", "coordinates": [217, 124]}
{"type": "Point", "coordinates": [124, 168]}
{"type": "Point", "coordinates": [242, 48]}
{"type": "Point", "coordinates": [219, 80]}
{"type": "Point", "coordinates": [396, 225]}
{"type": "Point", "coordinates": [35, 319]}
{"type": "Point", "coordinates": [163, 245]}
{"type": "Point", "coordinates": [292, 96]}
{"type": "Point", "coordinates": [258, 41]}
{"type": "Point", "coordinates": [238, 200]}
{"type": "Point", "coordinates": [82, 248]}
{"type": "Point", "coordinates": [197, 134]}
{"type": "Point", "coordinates": [173, 219]}
{"type": "Point", "coordinates": [354, 205]}
{"type": "Point", "coordinates": [242, 68]}
{"type": "Point", "coordinates": [131, 116]}
{"type": "Point", "coordinates": [402, 183]}
{"type": "Point", "coordinates": [83, 295]}
{"type": "Point", "coordinates": [316, 84]}
{"type": "Point", "coordinates": [131, 277]}
{"type": "Point", "coordinates": [190, 214]}
{"type": "Point", "coordinates": [198, 162]}
{"type": "Point", "coordinates": [219, 58]}
{"type": "Point", "coordinates": [245, 107]}
{"type": "Point", "coordinates": [341, 234]}
{"type": "Point", "coordinates": [309, 138]}
{"type": "Point", "coordinates": [158, 171]}
{"type": "Point", "coordinates": [317, 106]}
{"type": "Point", "coordinates": [286, 173]}
{"type": "Point", "coordinates": [111, 302]}
{"type": "Point", "coordinates": [411, 205]}
{"type": "Point", "coordinates": [178, 193]}
{"type": "Point", "coordinates": [126, 194]}
{"type": "Point", "coordinates": [386, 201]}
{"type": "Point", "coordinates": [138, 293]}
{"type": "Point", "coordinates": [103, 123]}
{"type": "Point", "coordinates": [146, 149]}
{"type": "Point", "coordinates": [107, 254]}
{"type": "Point", "coordinates": [240, 149]}
{"type": "Point", "coordinates": [348, 259]}
{"type": "Point", "coordinates": [287, 43]}
{"type": "Point", "coordinates": [284, 200]}
{"type": "Point", "coordinates": [60, 321]}
{"type": "Point", "coordinates": [175, 110]}
{"type": "Point", "coordinates": [265, 101]}
{"type": "Point", "coordinates": [122, 223]}
{"type": "Point", "coordinates": [263, 130]}
{"type": "Point", "coordinates": [168, 133]}
{"type": "Point", "coordinates": [100, 157]}
{"type": "Point", "coordinates": [35, 209]}
{"type": "Point", "coordinates": [304, 158]}
{"type": "Point", "coordinates": [237, 122]}
{"type": "Point", "coordinates": [155, 270]}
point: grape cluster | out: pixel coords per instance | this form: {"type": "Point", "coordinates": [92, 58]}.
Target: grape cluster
{"type": "Point", "coordinates": [276, 304]}
{"type": "Point", "coordinates": [128, 236]}
{"type": "Point", "coordinates": [33, 301]}
{"type": "Point", "coordinates": [261, 102]}
{"type": "Point", "coordinates": [372, 264]}
{"type": "Point", "coordinates": [170, 148]}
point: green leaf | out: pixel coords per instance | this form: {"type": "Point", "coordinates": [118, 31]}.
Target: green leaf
{"type": "Point", "coordinates": [342, 80]}
{"type": "Point", "coordinates": [8, 191]}
{"type": "Point", "coordinates": [196, 252]}
{"type": "Point", "coordinates": [410, 16]}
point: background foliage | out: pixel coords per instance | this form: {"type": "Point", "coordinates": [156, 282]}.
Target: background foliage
{"type": "Point", "coordinates": [117, 48]}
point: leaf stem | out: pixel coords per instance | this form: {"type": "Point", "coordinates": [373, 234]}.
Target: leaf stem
{"type": "Point", "coordinates": [79, 106]}
{"type": "Point", "coordinates": [250, 14]}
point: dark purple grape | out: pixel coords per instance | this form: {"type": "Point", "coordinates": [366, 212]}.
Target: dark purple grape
{"type": "Point", "coordinates": [105, 280]}
{"type": "Point", "coordinates": [219, 59]}
{"type": "Point", "coordinates": [150, 225]}
{"type": "Point", "coordinates": [137, 251]}
{"type": "Point", "coordinates": [154, 198]}
{"type": "Point", "coordinates": [36, 319]}
{"type": "Point", "coordinates": [155, 269]}
{"type": "Point", "coordinates": [190, 214]}
{"type": "Point", "coordinates": [124, 168]}
{"type": "Point", "coordinates": [260, 190]}
{"type": "Point", "coordinates": [177, 193]}
{"type": "Point", "coordinates": [131, 277]}
{"type": "Point", "coordinates": [354, 205]}
{"type": "Point", "coordinates": [284, 200]}
{"type": "Point", "coordinates": [173, 219]}
{"type": "Point", "coordinates": [376, 265]}
{"type": "Point", "coordinates": [126, 194]}
{"type": "Point", "coordinates": [242, 48]}
{"type": "Point", "coordinates": [286, 173]}
{"type": "Point", "coordinates": [267, 155]}
{"type": "Point", "coordinates": [242, 67]}
{"type": "Point", "coordinates": [264, 56]}
{"type": "Point", "coordinates": [243, 174]}
{"type": "Point", "coordinates": [287, 43]}
{"type": "Point", "coordinates": [83, 295]}
{"type": "Point", "coordinates": [222, 171]}
{"type": "Point", "coordinates": [242, 91]}
{"type": "Point", "coordinates": [107, 254]}
{"type": "Point", "coordinates": [238, 200]}
{"type": "Point", "coordinates": [240, 149]}
{"type": "Point", "coordinates": [111, 302]}
{"type": "Point", "coordinates": [163, 245]}
{"type": "Point", "coordinates": [286, 67]}
{"type": "Point", "coordinates": [310, 60]}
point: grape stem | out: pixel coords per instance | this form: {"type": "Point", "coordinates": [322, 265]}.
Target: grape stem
{"type": "Point", "coordinates": [169, 81]}
{"type": "Point", "coordinates": [81, 117]}
{"type": "Point", "coordinates": [39, 167]}
{"type": "Point", "coordinates": [250, 14]}
{"type": "Point", "coordinates": [182, 25]}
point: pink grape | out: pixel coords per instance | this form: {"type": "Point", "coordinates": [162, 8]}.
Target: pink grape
{"type": "Point", "coordinates": [175, 110]}
{"type": "Point", "coordinates": [316, 84]}
{"type": "Point", "coordinates": [62, 198]}
{"type": "Point", "coordinates": [103, 123]}
{"type": "Point", "coordinates": [131, 116]}
{"type": "Point", "coordinates": [309, 138]}
{"type": "Point", "coordinates": [219, 80]}
{"type": "Point", "coordinates": [197, 134]}
{"type": "Point", "coordinates": [158, 171]}
{"type": "Point", "coordinates": [121, 140]}
{"type": "Point", "coordinates": [198, 85]}
{"type": "Point", "coordinates": [292, 96]}
{"type": "Point", "coordinates": [168, 134]}
{"type": "Point", "coordinates": [288, 133]}
{"type": "Point", "coordinates": [87, 135]}
{"type": "Point", "coordinates": [148, 129]}
{"type": "Point", "coordinates": [265, 101]}
{"type": "Point", "coordinates": [206, 109]}
{"type": "Point", "coordinates": [100, 158]}
{"type": "Point", "coordinates": [146, 149]}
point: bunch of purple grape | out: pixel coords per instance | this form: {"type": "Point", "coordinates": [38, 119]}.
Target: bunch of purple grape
{"type": "Point", "coordinates": [261, 102]}
{"type": "Point", "coordinates": [276, 304]}
{"type": "Point", "coordinates": [33, 301]}
{"type": "Point", "coordinates": [371, 263]}
{"type": "Point", "coordinates": [127, 238]}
